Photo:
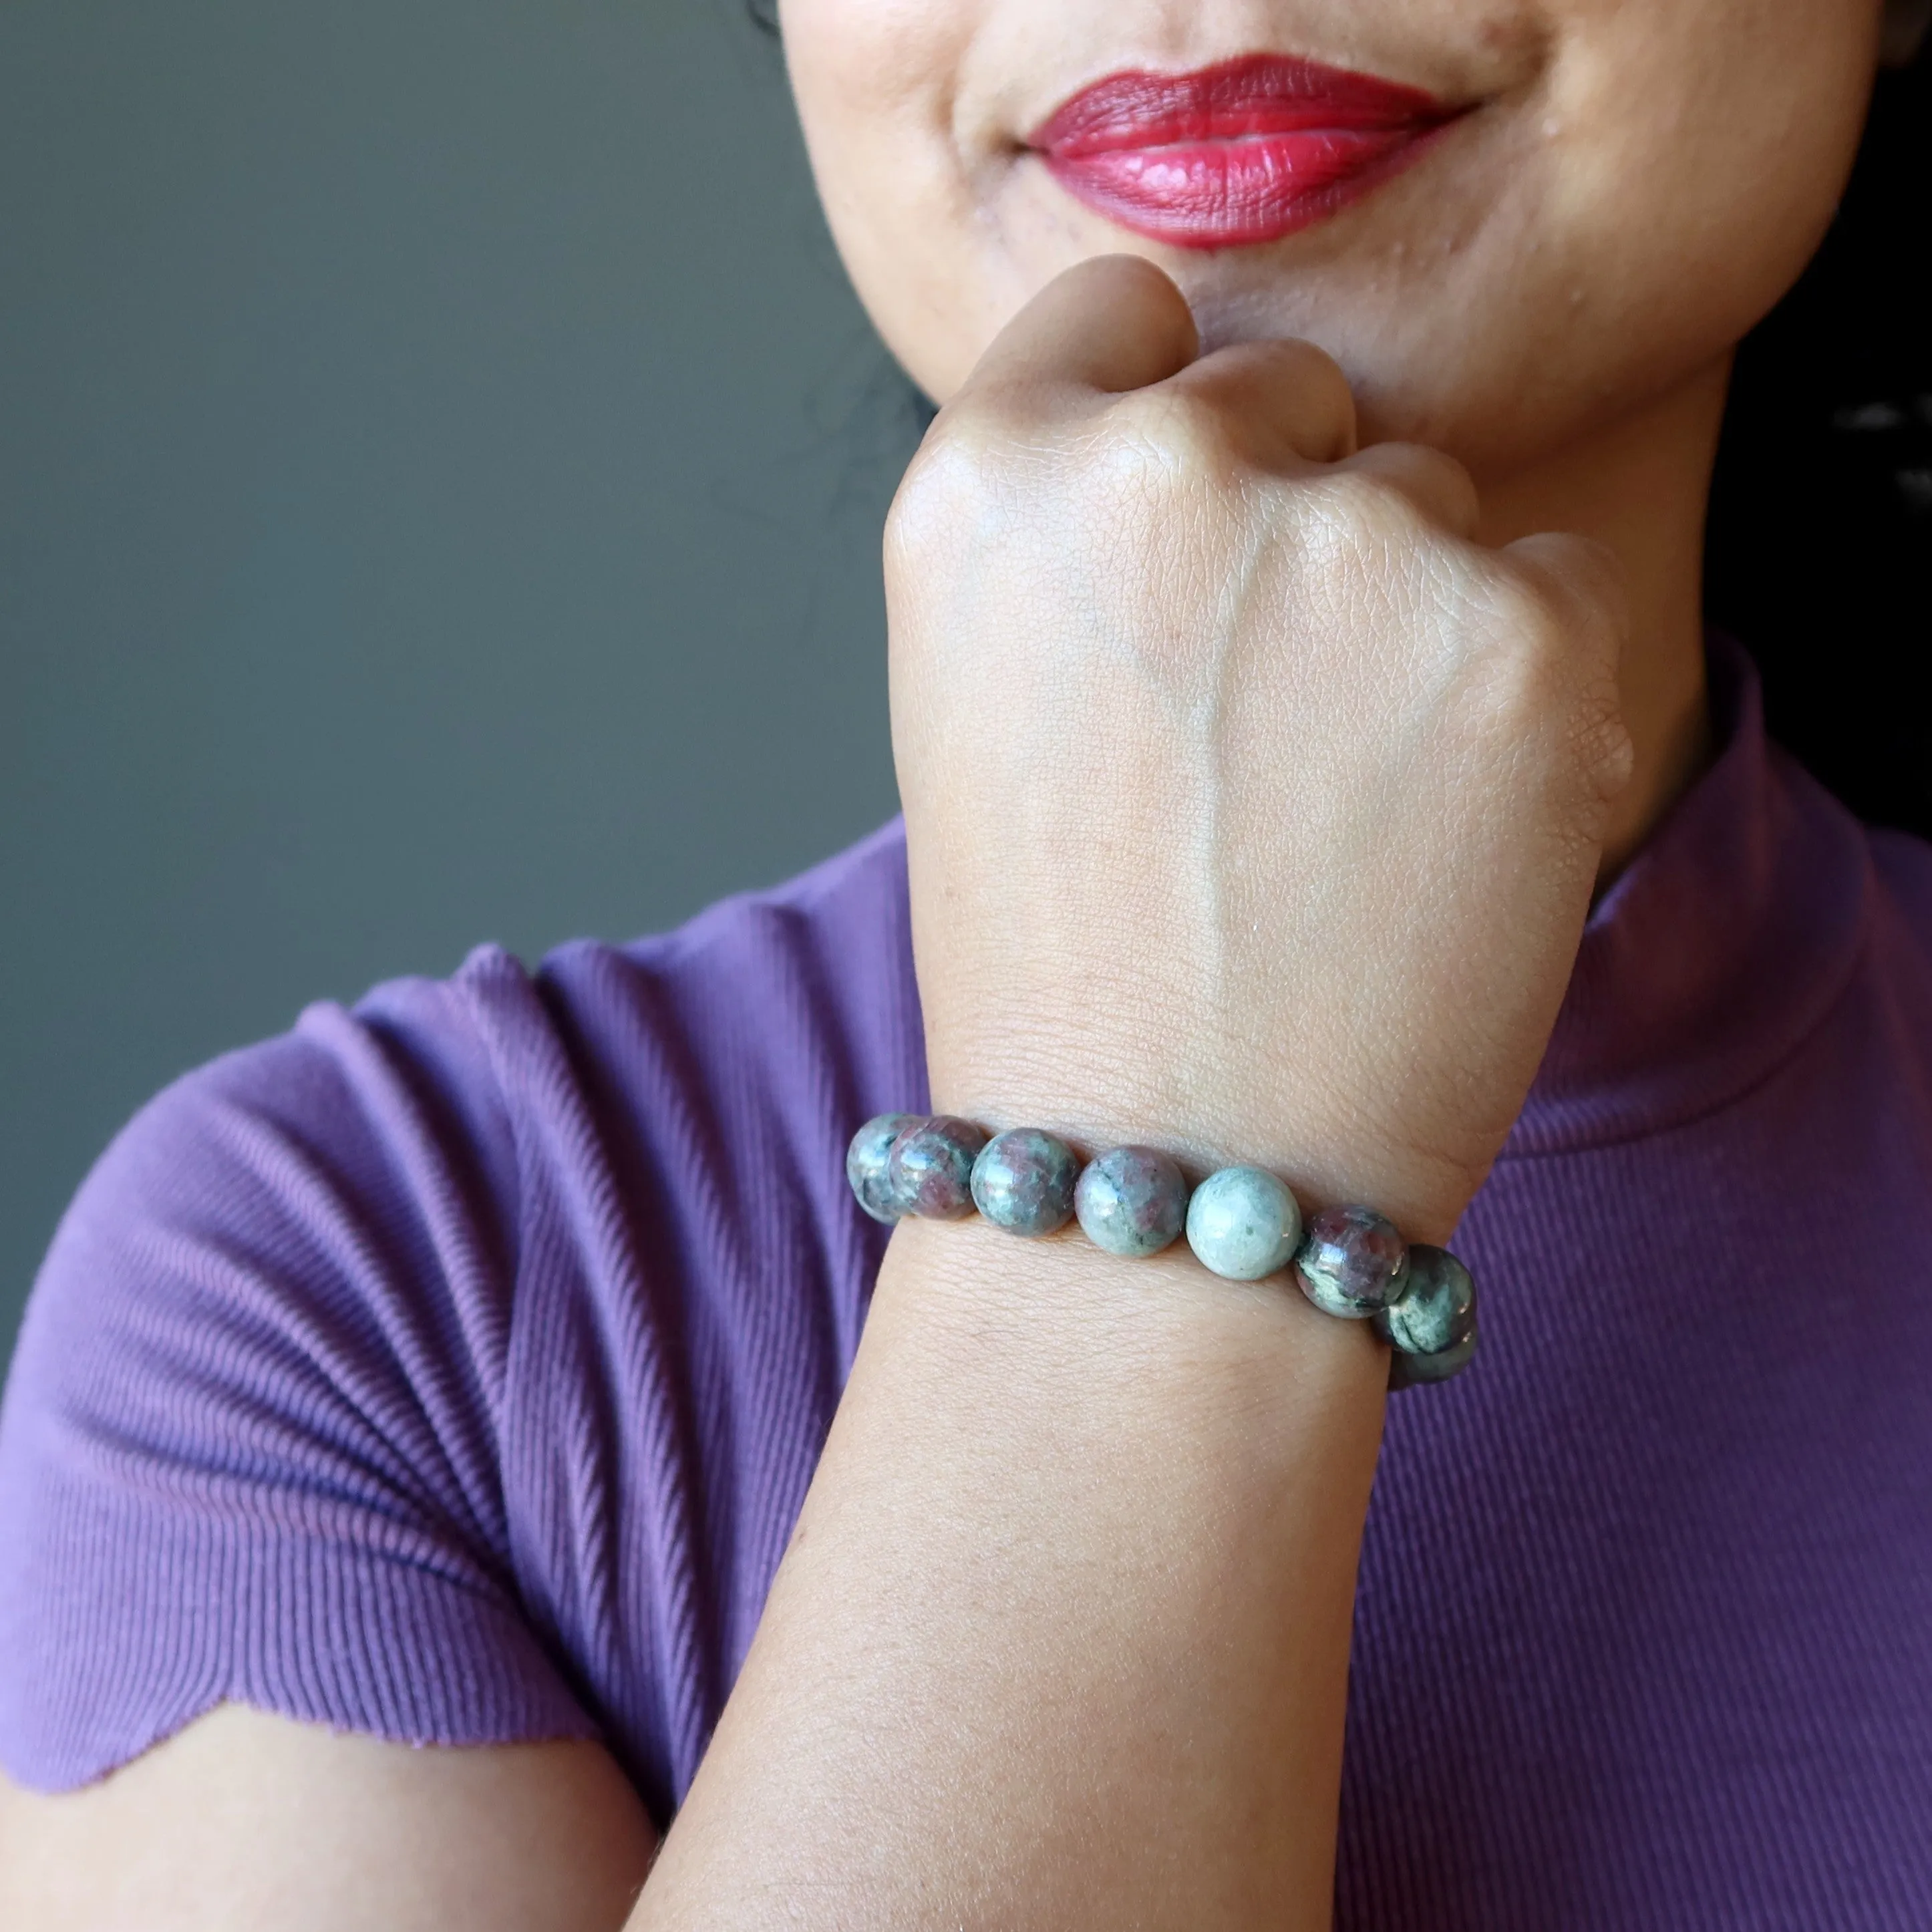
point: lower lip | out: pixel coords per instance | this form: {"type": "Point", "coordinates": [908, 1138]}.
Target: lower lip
{"type": "Point", "coordinates": [1235, 156]}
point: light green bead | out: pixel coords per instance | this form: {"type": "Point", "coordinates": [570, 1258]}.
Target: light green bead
{"type": "Point", "coordinates": [1244, 1223]}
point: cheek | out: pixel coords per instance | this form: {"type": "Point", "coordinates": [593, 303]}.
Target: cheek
{"type": "Point", "coordinates": [876, 83]}
{"type": "Point", "coordinates": [1611, 226]}
{"type": "Point", "coordinates": [1609, 236]}
{"type": "Point", "coordinates": [1708, 161]}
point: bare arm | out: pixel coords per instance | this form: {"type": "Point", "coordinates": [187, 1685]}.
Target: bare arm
{"type": "Point", "coordinates": [244, 1822]}
{"type": "Point", "coordinates": [1253, 809]}
{"type": "Point", "coordinates": [1062, 1640]}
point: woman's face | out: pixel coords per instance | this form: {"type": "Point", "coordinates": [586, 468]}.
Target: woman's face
{"type": "Point", "coordinates": [1596, 199]}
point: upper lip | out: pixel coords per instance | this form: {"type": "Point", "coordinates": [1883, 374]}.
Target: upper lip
{"type": "Point", "coordinates": [1246, 152]}
{"type": "Point", "coordinates": [1254, 95]}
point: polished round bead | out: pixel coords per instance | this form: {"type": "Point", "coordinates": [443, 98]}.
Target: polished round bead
{"type": "Point", "coordinates": [1243, 1223]}
{"type": "Point", "coordinates": [1414, 1371]}
{"type": "Point", "coordinates": [1437, 1306]}
{"type": "Point", "coordinates": [865, 1162]}
{"type": "Point", "coordinates": [1024, 1181]}
{"type": "Point", "coordinates": [929, 1172]}
{"type": "Point", "coordinates": [1131, 1201]}
{"type": "Point", "coordinates": [1350, 1262]}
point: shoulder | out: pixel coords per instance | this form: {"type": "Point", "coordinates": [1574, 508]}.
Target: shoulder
{"type": "Point", "coordinates": [359, 1382]}
{"type": "Point", "coordinates": [407, 1137]}
{"type": "Point", "coordinates": [245, 1454]}
{"type": "Point", "coordinates": [790, 999]}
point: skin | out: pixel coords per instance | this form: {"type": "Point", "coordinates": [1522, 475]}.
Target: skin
{"type": "Point", "coordinates": [249, 1820]}
{"type": "Point", "coordinates": [1261, 752]}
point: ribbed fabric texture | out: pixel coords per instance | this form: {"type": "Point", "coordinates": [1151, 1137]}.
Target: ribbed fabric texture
{"type": "Point", "coordinates": [453, 1369]}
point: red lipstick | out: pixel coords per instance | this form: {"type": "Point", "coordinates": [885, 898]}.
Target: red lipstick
{"type": "Point", "coordinates": [1243, 152]}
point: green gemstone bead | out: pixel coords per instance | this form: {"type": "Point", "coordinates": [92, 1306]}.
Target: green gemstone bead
{"type": "Point", "coordinates": [866, 1165]}
{"type": "Point", "coordinates": [1437, 1306]}
{"type": "Point", "coordinates": [929, 1172]}
{"type": "Point", "coordinates": [1023, 1181]}
{"type": "Point", "coordinates": [1243, 1223]}
{"type": "Point", "coordinates": [1414, 1371]}
{"type": "Point", "coordinates": [1131, 1201]}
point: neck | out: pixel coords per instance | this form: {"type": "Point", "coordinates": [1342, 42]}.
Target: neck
{"type": "Point", "coordinates": [1640, 485]}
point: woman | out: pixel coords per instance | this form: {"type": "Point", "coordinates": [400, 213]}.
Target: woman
{"type": "Point", "coordinates": [1310, 761]}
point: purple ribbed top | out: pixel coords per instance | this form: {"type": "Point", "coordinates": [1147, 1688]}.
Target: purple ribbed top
{"type": "Point", "coordinates": [453, 1368]}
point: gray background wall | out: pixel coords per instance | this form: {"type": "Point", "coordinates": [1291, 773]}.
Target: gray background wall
{"type": "Point", "coordinates": [440, 472]}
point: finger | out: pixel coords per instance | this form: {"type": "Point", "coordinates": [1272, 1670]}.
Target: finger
{"type": "Point", "coordinates": [1438, 485]}
{"type": "Point", "coordinates": [1107, 325]}
{"type": "Point", "coordinates": [1285, 402]}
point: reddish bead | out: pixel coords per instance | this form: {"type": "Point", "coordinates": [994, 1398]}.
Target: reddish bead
{"type": "Point", "coordinates": [1131, 1200]}
{"type": "Point", "coordinates": [1351, 1261]}
{"type": "Point", "coordinates": [1023, 1181]}
{"type": "Point", "coordinates": [930, 1172]}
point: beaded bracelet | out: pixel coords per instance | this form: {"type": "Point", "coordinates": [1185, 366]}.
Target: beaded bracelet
{"type": "Point", "coordinates": [1243, 1223]}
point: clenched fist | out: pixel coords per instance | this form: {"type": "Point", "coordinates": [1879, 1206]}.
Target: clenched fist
{"type": "Point", "coordinates": [1253, 807]}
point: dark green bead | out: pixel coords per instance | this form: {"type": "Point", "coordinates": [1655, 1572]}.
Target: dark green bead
{"type": "Point", "coordinates": [1437, 1306]}
{"type": "Point", "coordinates": [1414, 1371]}
{"type": "Point", "coordinates": [866, 1164]}
{"type": "Point", "coordinates": [930, 1169]}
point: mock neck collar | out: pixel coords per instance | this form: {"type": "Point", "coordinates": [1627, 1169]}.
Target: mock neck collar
{"type": "Point", "coordinates": [1725, 942]}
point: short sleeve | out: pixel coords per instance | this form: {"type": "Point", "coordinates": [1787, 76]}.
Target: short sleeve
{"type": "Point", "coordinates": [249, 1449]}
{"type": "Point", "coordinates": [453, 1368]}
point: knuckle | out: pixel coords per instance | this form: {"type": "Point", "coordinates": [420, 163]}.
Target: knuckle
{"type": "Point", "coordinates": [1276, 397]}
{"type": "Point", "coordinates": [1437, 464]}
{"type": "Point", "coordinates": [1170, 437]}
{"type": "Point", "coordinates": [1582, 581]}
{"type": "Point", "coordinates": [1364, 511]}
{"type": "Point", "coordinates": [1435, 477]}
{"type": "Point", "coordinates": [958, 480]}
{"type": "Point", "coordinates": [1315, 366]}
{"type": "Point", "coordinates": [1528, 612]}
{"type": "Point", "coordinates": [1442, 492]}
{"type": "Point", "coordinates": [1552, 684]}
{"type": "Point", "coordinates": [1606, 755]}
{"type": "Point", "coordinates": [1313, 374]}
{"type": "Point", "coordinates": [937, 479]}
{"type": "Point", "coordinates": [1413, 463]}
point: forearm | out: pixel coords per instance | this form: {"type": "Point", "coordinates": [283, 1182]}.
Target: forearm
{"type": "Point", "coordinates": [1253, 808]}
{"type": "Point", "coordinates": [1062, 1638]}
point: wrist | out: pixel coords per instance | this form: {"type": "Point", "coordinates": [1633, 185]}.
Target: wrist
{"type": "Point", "coordinates": [1217, 1110]}
{"type": "Point", "coordinates": [1248, 1370]}
{"type": "Point", "coordinates": [1034, 1312]}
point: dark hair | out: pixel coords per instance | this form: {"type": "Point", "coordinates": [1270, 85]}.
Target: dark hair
{"type": "Point", "coordinates": [1819, 555]}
